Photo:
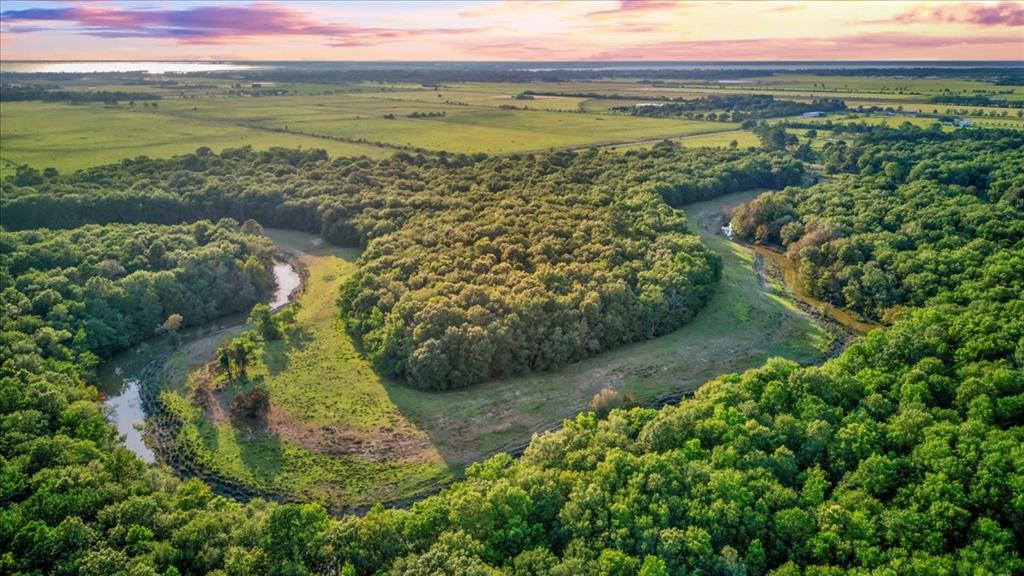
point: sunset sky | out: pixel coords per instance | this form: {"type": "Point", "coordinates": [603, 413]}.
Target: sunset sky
{"type": "Point", "coordinates": [512, 30]}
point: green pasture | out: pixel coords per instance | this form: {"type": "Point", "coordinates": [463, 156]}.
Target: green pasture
{"type": "Point", "coordinates": [71, 137]}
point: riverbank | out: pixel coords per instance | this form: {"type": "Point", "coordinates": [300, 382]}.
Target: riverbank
{"type": "Point", "coordinates": [120, 378]}
{"type": "Point", "coordinates": [340, 434]}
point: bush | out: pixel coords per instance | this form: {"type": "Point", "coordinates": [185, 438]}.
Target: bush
{"type": "Point", "coordinates": [251, 405]}
{"type": "Point", "coordinates": [609, 399]}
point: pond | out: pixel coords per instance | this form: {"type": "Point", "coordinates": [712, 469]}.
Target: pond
{"type": "Point", "coordinates": [118, 377]}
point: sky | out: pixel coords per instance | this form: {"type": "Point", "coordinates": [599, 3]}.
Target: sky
{"type": "Point", "coordinates": [541, 30]}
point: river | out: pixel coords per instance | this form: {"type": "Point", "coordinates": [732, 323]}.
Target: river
{"type": "Point", "coordinates": [118, 377]}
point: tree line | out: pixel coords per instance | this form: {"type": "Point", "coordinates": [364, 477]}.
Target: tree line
{"type": "Point", "coordinates": [924, 210]}
{"type": "Point", "coordinates": [732, 107]}
{"type": "Point", "coordinates": [544, 259]}
{"type": "Point", "coordinates": [27, 92]}
{"type": "Point", "coordinates": [903, 455]}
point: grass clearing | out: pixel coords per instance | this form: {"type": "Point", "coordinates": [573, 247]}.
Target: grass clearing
{"type": "Point", "coordinates": [338, 433]}
{"type": "Point", "coordinates": [332, 434]}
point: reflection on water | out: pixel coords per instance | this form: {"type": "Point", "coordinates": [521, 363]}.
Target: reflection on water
{"type": "Point", "coordinates": [125, 412]}
{"type": "Point", "coordinates": [790, 273]}
{"type": "Point", "coordinates": [127, 66]}
{"type": "Point", "coordinates": [118, 378]}
{"type": "Point", "coordinates": [287, 281]}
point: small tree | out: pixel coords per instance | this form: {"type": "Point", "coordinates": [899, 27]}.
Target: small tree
{"type": "Point", "coordinates": [609, 399]}
{"type": "Point", "coordinates": [263, 320]}
{"type": "Point", "coordinates": [233, 355]}
{"type": "Point", "coordinates": [285, 318]}
{"type": "Point", "coordinates": [170, 327]}
{"type": "Point", "coordinates": [252, 227]}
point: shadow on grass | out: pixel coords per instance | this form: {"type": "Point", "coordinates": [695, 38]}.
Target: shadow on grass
{"type": "Point", "coordinates": [261, 452]}
{"type": "Point", "coordinates": [743, 324]}
{"type": "Point", "coordinates": [275, 354]}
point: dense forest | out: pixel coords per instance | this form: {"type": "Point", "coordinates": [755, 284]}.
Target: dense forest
{"type": "Point", "coordinates": [104, 288]}
{"type": "Point", "coordinates": [912, 213]}
{"type": "Point", "coordinates": [903, 455]}
{"type": "Point", "coordinates": [544, 260]}
{"type": "Point", "coordinates": [733, 108]}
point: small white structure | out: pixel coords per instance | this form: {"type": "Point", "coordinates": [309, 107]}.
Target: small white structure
{"type": "Point", "coordinates": [727, 230]}
{"type": "Point", "coordinates": [814, 114]}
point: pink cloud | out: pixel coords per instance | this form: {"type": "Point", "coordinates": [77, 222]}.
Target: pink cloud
{"type": "Point", "coordinates": [1001, 14]}
{"type": "Point", "coordinates": [205, 24]}
{"type": "Point", "coordinates": [634, 6]}
{"type": "Point", "coordinates": [789, 8]}
{"type": "Point", "coordinates": [883, 45]}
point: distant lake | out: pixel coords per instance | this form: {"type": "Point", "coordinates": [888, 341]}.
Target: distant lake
{"type": "Point", "coordinates": [127, 66]}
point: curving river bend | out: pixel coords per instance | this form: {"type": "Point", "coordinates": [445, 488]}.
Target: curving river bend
{"type": "Point", "coordinates": [118, 377]}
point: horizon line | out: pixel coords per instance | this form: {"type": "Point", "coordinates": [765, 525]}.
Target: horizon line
{"type": "Point", "coordinates": [588, 61]}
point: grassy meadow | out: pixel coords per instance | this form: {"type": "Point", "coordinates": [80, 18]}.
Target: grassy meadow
{"type": "Point", "coordinates": [374, 119]}
{"type": "Point", "coordinates": [352, 122]}
{"type": "Point", "coordinates": [339, 433]}
{"type": "Point", "coordinates": [72, 137]}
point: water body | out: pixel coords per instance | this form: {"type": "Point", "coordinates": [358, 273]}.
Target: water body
{"type": "Point", "coordinates": [119, 377]}
{"type": "Point", "coordinates": [287, 280]}
{"type": "Point", "coordinates": [184, 67]}
{"type": "Point", "coordinates": [126, 66]}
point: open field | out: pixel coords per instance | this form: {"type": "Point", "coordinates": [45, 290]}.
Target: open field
{"type": "Point", "coordinates": [339, 433]}
{"type": "Point", "coordinates": [332, 434]}
{"type": "Point", "coordinates": [374, 119]}
{"type": "Point", "coordinates": [70, 137]}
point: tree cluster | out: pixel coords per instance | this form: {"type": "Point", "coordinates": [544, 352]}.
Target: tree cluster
{"type": "Point", "coordinates": [543, 260]}
{"type": "Point", "coordinates": [924, 212]}
{"type": "Point", "coordinates": [25, 92]}
{"type": "Point", "coordinates": [101, 289]}
{"type": "Point", "coordinates": [732, 107]}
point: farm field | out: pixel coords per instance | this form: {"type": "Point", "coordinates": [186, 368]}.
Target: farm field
{"type": "Point", "coordinates": [375, 119]}
{"type": "Point", "coordinates": [339, 433]}
{"type": "Point", "coordinates": [70, 137]}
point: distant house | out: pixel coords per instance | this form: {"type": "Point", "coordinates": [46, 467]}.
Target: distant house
{"type": "Point", "coordinates": [963, 123]}
{"type": "Point", "coordinates": [814, 114]}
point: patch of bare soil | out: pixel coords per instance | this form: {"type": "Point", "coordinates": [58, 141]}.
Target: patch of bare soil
{"type": "Point", "coordinates": [395, 441]}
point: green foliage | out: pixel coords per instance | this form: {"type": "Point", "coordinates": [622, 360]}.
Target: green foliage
{"type": "Point", "coordinates": [926, 213]}
{"type": "Point", "coordinates": [262, 319]}
{"type": "Point", "coordinates": [235, 355]}
{"type": "Point", "coordinates": [902, 455]}
{"type": "Point", "coordinates": [544, 260]}
{"type": "Point", "coordinates": [732, 107]}
{"type": "Point", "coordinates": [104, 288]}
